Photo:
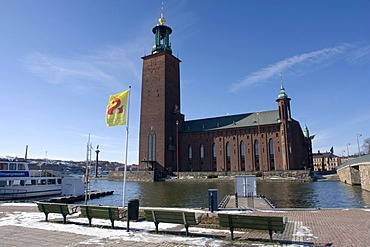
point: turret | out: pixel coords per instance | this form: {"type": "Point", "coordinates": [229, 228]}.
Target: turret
{"type": "Point", "coordinates": [284, 105]}
{"type": "Point", "coordinates": [162, 36]}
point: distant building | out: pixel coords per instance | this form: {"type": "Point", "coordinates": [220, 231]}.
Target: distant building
{"type": "Point", "coordinates": [323, 162]}
{"type": "Point", "coordinates": [257, 141]}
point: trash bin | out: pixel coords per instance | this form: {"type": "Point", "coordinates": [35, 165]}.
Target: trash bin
{"type": "Point", "coordinates": [212, 200]}
{"type": "Point", "coordinates": [133, 209]}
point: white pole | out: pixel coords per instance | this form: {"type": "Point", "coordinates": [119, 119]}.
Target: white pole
{"type": "Point", "coordinates": [358, 145]}
{"type": "Point", "coordinates": [127, 132]}
{"type": "Point", "coordinates": [86, 178]}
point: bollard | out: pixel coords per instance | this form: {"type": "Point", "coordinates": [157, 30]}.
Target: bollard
{"type": "Point", "coordinates": [212, 200]}
{"type": "Point", "coordinates": [236, 200]}
{"type": "Point", "coordinates": [212, 203]}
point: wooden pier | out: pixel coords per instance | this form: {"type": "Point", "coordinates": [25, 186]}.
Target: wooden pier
{"type": "Point", "coordinates": [256, 202]}
{"type": "Point", "coordinates": [72, 199]}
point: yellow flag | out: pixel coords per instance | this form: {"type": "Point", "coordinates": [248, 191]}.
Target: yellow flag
{"type": "Point", "coordinates": [117, 108]}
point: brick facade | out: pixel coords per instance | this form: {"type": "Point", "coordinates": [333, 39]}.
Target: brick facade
{"type": "Point", "coordinates": [263, 141]}
{"type": "Point", "coordinates": [160, 102]}
{"type": "Point", "coordinates": [298, 153]}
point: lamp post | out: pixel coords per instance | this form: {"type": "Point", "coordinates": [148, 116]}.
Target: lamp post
{"type": "Point", "coordinates": [358, 144]}
{"type": "Point", "coordinates": [259, 143]}
{"type": "Point", "coordinates": [348, 150]}
{"type": "Point", "coordinates": [97, 161]}
{"type": "Point", "coordinates": [177, 149]}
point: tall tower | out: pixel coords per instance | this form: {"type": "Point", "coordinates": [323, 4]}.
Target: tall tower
{"type": "Point", "coordinates": [160, 105]}
{"type": "Point", "coordinates": [285, 117]}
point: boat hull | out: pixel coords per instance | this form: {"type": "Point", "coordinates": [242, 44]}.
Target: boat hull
{"type": "Point", "coordinates": [19, 192]}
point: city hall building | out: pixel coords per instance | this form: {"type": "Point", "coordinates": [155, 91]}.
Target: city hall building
{"type": "Point", "coordinates": [251, 142]}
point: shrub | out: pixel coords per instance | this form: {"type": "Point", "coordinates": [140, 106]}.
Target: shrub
{"type": "Point", "coordinates": [259, 174]}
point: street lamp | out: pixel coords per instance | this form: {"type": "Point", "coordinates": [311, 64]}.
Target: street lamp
{"type": "Point", "coordinates": [358, 144]}
{"type": "Point", "coordinates": [348, 150]}
{"type": "Point", "coordinates": [97, 161]}
{"type": "Point", "coordinates": [259, 144]}
{"type": "Point", "coordinates": [177, 149]}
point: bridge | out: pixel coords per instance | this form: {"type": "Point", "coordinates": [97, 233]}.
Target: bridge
{"type": "Point", "coordinates": [356, 172]}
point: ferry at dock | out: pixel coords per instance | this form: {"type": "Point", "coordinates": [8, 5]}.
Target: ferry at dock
{"type": "Point", "coordinates": [21, 179]}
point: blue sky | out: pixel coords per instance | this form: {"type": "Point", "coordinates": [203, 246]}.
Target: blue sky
{"type": "Point", "coordinates": [60, 61]}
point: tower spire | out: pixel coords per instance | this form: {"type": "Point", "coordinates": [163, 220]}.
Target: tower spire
{"type": "Point", "coordinates": [161, 19]}
{"type": "Point", "coordinates": [282, 94]}
{"type": "Point", "coordinates": [281, 79]}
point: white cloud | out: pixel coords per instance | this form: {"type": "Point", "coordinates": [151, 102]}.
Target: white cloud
{"type": "Point", "coordinates": [305, 63]}
{"type": "Point", "coordinates": [111, 66]}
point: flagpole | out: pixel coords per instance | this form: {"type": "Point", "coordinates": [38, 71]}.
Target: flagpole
{"type": "Point", "coordinates": [127, 132]}
{"type": "Point", "coordinates": [86, 178]}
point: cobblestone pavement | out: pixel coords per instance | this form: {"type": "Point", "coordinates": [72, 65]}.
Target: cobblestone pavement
{"type": "Point", "coordinates": [325, 227]}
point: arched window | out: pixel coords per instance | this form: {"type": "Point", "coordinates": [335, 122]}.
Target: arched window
{"type": "Point", "coordinates": [256, 156]}
{"type": "Point", "coordinates": [272, 154]}
{"type": "Point", "coordinates": [214, 157]}
{"type": "Point", "coordinates": [190, 157]}
{"type": "Point", "coordinates": [228, 157]}
{"type": "Point", "coordinates": [151, 151]}
{"type": "Point", "coordinates": [201, 152]}
{"type": "Point", "coordinates": [242, 155]}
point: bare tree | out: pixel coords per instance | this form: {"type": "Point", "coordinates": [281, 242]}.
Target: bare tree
{"type": "Point", "coordinates": [366, 145]}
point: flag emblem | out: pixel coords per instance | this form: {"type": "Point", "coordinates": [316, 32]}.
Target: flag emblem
{"type": "Point", "coordinates": [117, 108]}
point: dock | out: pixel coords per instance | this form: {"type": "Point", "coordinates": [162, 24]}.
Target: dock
{"type": "Point", "coordinates": [245, 203]}
{"type": "Point", "coordinates": [72, 199]}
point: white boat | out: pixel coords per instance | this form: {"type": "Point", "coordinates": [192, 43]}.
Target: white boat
{"type": "Point", "coordinates": [18, 180]}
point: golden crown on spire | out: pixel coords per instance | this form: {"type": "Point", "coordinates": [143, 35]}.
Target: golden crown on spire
{"type": "Point", "coordinates": [162, 20]}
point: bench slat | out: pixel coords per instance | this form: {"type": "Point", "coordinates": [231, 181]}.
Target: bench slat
{"type": "Point", "coordinates": [101, 212]}
{"type": "Point", "coordinates": [176, 217]}
{"type": "Point", "coordinates": [252, 224]}
{"type": "Point", "coordinates": [269, 223]}
{"type": "Point", "coordinates": [58, 208]}
{"type": "Point", "coordinates": [53, 208]}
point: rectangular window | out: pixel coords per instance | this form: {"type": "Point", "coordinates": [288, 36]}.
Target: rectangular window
{"type": "Point", "coordinates": [21, 167]}
{"type": "Point", "coordinates": [3, 166]}
{"type": "Point", "coordinates": [13, 166]}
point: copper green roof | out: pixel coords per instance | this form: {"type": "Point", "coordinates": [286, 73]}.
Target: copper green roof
{"type": "Point", "coordinates": [232, 121]}
{"type": "Point", "coordinates": [282, 94]}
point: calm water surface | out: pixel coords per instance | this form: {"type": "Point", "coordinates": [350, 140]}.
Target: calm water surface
{"type": "Point", "coordinates": [194, 194]}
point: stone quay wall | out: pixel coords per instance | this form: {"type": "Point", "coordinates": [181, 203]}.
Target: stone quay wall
{"type": "Point", "coordinates": [132, 175]}
{"type": "Point", "coordinates": [350, 175]}
{"type": "Point", "coordinates": [276, 176]}
{"type": "Point", "coordinates": [365, 177]}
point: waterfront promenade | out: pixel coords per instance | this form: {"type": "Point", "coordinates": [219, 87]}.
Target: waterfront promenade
{"type": "Point", "coordinates": [22, 225]}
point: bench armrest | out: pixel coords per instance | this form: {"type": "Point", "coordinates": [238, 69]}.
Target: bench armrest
{"type": "Point", "coordinates": [198, 217]}
{"type": "Point", "coordinates": [122, 212]}
{"type": "Point", "coordinates": [73, 209]}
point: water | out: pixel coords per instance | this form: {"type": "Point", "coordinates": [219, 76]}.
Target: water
{"type": "Point", "coordinates": [193, 194]}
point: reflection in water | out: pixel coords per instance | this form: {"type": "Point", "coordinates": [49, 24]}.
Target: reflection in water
{"type": "Point", "coordinates": [162, 194]}
{"type": "Point", "coordinates": [193, 194]}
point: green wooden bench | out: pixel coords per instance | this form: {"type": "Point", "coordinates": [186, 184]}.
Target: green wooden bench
{"type": "Point", "coordinates": [171, 216]}
{"type": "Point", "coordinates": [101, 212]}
{"type": "Point", "coordinates": [58, 208]}
{"type": "Point", "coordinates": [269, 223]}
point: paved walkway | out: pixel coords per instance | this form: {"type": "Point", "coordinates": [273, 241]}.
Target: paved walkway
{"type": "Point", "coordinates": [328, 227]}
